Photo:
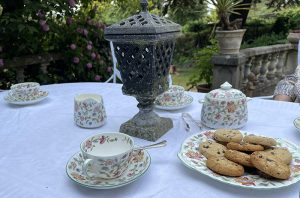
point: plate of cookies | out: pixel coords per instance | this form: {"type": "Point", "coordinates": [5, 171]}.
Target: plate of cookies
{"type": "Point", "coordinates": [242, 159]}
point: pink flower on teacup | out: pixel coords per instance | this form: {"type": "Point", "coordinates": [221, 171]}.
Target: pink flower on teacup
{"type": "Point", "coordinates": [167, 98]}
{"type": "Point", "coordinates": [88, 144]}
{"type": "Point", "coordinates": [130, 174]}
{"type": "Point", "coordinates": [231, 107]}
{"type": "Point", "coordinates": [218, 116]}
{"type": "Point", "coordinates": [214, 94]}
{"type": "Point", "coordinates": [81, 118]}
{"type": "Point", "coordinates": [101, 139]}
{"type": "Point", "coordinates": [97, 109]}
{"type": "Point", "coordinates": [108, 162]}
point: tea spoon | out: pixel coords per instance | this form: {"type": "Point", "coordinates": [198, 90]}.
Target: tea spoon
{"type": "Point", "coordinates": [156, 145]}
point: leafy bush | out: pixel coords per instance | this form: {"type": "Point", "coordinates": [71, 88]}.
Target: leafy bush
{"type": "Point", "coordinates": [86, 51]}
{"type": "Point", "coordinates": [294, 16]}
{"type": "Point", "coordinates": [202, 61]}
{"type": "Point", "coordinates": [256, 28]}
{"type": "Point", "coordinates": [282, 25]}
{"type": "Point", "coordinates": [267, 39]}
{"type": "Point", "coordinates": [39, 27]}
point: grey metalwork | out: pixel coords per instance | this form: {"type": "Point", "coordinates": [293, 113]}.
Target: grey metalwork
{"type": "Point", "coordinates": [144, 45]}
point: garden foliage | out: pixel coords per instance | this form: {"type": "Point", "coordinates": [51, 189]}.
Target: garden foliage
{"type": "Point", "coordinates": [61, 26]}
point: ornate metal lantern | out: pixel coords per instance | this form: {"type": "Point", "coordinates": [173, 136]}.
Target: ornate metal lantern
{"type": "Point", "coordinates": [144, 45]}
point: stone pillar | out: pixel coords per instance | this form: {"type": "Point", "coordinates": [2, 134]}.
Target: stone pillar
{"type": "Point", "coordinates": [293, 38]}
{"type": "Point", "coordinates": [228, 68]}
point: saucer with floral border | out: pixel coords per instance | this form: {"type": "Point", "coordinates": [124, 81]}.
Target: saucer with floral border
{"type": "Point", "coordinates": [139, 164]}
{"type": "Point", "coordinates": [185, 101]}
{"type": "Point", "coordinates": [41, 95]}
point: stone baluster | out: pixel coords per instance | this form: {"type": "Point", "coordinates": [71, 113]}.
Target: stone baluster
{"type": "Point", "coordinates": [20, 75]}
{"type": "Point", "coordinates": [280, 64]}
{"type": "Point", "coordinates": [265, 61]}
{"type": "Point", "coordinates": [247, 71]}
{"type": "Point", "coordinates": [250, 84]}
{"type": "Point", "coordinates": [272, 66]}
{"type": "Point", "coordinates": [256, 69]}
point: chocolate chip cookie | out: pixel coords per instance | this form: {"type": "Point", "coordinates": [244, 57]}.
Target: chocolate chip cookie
{"type": "Point", "coordinates": [244, 147]}
{"type": "Point", "coordinates": [210, 148]}
{"type": "Point", "coordinates": [228, 135]}
{"type": "Point", "coordinates": [224, 166]}
{"type": "Point", "coordinates": [238, 157]}
{"type": "Point", "coordinates": [265, 141]}
{"type": "Point", "coordinates": [269, 165]}
{"type": "Point", "coordinates": [281, 154]}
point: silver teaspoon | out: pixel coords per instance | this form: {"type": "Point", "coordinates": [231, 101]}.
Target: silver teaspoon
{"type": "Point", "coordinates": [156, 145]}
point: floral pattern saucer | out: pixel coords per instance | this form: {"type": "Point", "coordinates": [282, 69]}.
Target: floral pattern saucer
{"type": "Point", "coordinates": [34, 99]}
{"type": "Point", "coordinates": [192, 158]}
{"type": "Point", "coordinates": [184, 102]}
{"type": "Point", "coordinates": [139, 164]}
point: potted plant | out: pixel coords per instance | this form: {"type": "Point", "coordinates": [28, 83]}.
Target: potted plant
{"type": "Point", "coordinates": [228, 33]}
{"type": "Point", "coordinates": [202, 78]}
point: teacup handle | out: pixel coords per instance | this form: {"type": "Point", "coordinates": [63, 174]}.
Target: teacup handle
{"type": "Point", "coordinates": [201, 101]}
{"type": "Point", "coordinates": [85, 165]}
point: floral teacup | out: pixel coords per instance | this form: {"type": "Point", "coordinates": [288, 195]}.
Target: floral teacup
{"type": "Point", "coordinates": [25, 91]}
{"type": "Point", "coordinates": [171, 97]}
{"type": "Point", "coordinates": [106, 155]}
{"type": "Point", "coordinates": [89, 111]}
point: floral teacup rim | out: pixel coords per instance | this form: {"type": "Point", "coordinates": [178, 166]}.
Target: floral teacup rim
{"type": "Point", "coordinates": [88, 97]}
{"type": "Point", "coordinates": [25, 86]}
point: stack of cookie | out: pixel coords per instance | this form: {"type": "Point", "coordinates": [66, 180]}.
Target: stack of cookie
{"type": "Point", "coordinates": [231, 153]}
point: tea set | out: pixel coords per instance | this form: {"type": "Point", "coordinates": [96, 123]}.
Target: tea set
{"type": "Point", "coordinates": [25, 94]}
{"type": "Point", "coordinates": [174, 98]}
{"type": "Point", "coordinates": [110, 160]}
{"type": "Point", "coordinates": [89, 111]}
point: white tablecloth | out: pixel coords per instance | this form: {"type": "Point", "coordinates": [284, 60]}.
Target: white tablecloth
{"type": "Point", "coordinates": [38, 140]}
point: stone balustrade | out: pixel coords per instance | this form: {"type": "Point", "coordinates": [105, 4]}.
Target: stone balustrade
{"type": "Point", "coordinates": [255, 71]}
{"type": "Point", "coordinates": [21, 63]}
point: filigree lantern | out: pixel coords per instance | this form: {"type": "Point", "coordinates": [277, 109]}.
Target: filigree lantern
{"type": "Point", "coordinates": [144, 45]}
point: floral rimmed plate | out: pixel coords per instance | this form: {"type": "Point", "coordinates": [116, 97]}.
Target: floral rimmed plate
{"type": "Point", "coordinates": [191, 157]}
{"type": "Point", "coordinates": [140, 162]}
{"type": "Point", "coordinates": [184, 102]}
{"type": "Point", "coordinates": [35, 99]}
{"type": "Point", "coordinates": [297, 123]}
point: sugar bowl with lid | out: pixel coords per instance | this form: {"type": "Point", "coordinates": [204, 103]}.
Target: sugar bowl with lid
{"type": "Point", "coordinates": [224, 108]}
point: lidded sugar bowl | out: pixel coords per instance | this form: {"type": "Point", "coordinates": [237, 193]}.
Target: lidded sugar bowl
{"type": "Point", "coordinates": [224, 108]}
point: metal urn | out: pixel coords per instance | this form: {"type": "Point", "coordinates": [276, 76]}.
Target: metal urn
{"type": "Point", "coordinates": [144, 46]}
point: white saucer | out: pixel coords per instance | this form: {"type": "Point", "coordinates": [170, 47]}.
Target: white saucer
{"type": "Point", "coordinates": [41, 96]}
{"type": "Point", "coordinates": [140, 162]}
{"type": "Point", "coordinates": [184, 102]}
{"type": "Point", "coordinates": [297, 123]}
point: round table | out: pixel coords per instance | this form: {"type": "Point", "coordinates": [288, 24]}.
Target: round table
{"type": "Point", "coordinates": [38, 140]}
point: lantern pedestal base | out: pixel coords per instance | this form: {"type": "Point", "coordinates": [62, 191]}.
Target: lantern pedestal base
{"type": "Point", "coordinates": [150, 132]}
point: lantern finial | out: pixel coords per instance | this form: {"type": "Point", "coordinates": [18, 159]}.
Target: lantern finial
{"type": "Point", "coordinates": [144, 5]}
